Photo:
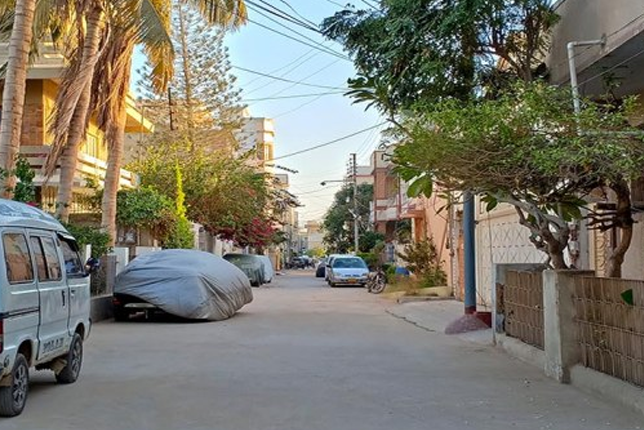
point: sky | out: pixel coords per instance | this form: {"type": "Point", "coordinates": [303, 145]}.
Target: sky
{"type": "Point", "coordinates": [308, 121]}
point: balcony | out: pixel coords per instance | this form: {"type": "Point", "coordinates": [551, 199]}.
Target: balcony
{"type": "Point", "coordinates": [87, 167]}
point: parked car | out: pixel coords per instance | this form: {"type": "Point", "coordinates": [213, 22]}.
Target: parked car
{"type": "Point", "coordinates": [268, 272]}
{"type": "Point", "coordinates": [320, 269]}
{"type": "Point", "coordinates": [44, 302]}
{"type": "Point", "coordinates": [348, 271]}
{"type": "Point", "coordinates": [329, 261]}
{"type": "Point", "coordinates": [186, 283]}
{"type": "Point", "coordinates": [250, 264]}
{"type": "Point", "coordinates": [297, 263]}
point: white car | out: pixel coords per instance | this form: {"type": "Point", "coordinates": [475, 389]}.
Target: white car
{"type": "Point", "coordinates": [44, 302]}
{"type": "Point", "coordinates": [348, 270]}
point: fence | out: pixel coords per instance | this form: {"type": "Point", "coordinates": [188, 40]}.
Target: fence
{"type": "Point", "coordinates": [523, 306]}
{"type": "Point", "coordinates": [610, 331]}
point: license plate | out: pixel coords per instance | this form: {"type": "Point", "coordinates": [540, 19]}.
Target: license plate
{"type": "Point", "coordinates": [352, 280]}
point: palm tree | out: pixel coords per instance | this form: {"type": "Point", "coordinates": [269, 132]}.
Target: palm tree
{"type": "Point", "coordinates": [70, 121]}
{"type": "Point", "coordinates": [226, 13]}
{"type": "Point", "coordinates": [24, 23]}
{"type": "Point", "coordinates": [13, 95]}
{"type": "Point", "coordinates": [127, 23]}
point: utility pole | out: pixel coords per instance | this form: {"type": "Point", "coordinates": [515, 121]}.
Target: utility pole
{"type": "Point", "coordinates": [354, 167]}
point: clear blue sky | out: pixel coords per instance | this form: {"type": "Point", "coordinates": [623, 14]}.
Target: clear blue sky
{"type": "Point", "coordinates": [303, 122]}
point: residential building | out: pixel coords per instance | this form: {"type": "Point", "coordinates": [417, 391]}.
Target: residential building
{"type": "Point", "coordinates": [258, 134]}
{"type": "Point", "coordinates": [314, 238]}
{"type": "Point", "coordinates": [43, 80]}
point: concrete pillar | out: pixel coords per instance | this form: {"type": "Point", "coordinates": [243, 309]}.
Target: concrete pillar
{"type": "Point", "coordinates": [560, 331]}
{"type": "Point", "coordinates": [122, 258]}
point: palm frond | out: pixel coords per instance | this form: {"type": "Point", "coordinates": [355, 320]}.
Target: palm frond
{"type": "Point", "coordinates": [231, 14]}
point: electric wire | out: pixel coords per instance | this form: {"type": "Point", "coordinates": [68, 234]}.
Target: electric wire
{"type": "Point", "coordinates": [322, 145]}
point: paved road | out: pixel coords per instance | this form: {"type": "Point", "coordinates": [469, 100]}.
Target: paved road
{"type": "Point", "coordinates": [304, 357]}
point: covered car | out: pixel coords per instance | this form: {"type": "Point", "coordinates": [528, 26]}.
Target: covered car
{"type": "Point", "coordinates": [186, 283]}
{"type": "Point", "coordinates": [268, 272]}
{"type": "Point", "coordinates": [250, 264]}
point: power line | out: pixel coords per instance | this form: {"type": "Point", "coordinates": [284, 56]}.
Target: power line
{"type": "Point", "coordinates": [277, 78]}
{"type": "Point", "coordinates": [295, 109]}
{"type": "Point", "coordinates": [340, 139]}
{"type": "Point", "coordinates": [279, 69]}
{"type": "Point", "coordinates": [320, 70]}
{"type": "Point", "coordinates": [294, 31]}
{"type": "Point", "coordinates": [335, 54]}
{"type": "Point", "coordinates": [273, 10]}
{"type": "Point", "coordinates": [297, 13]}
{"type": "Point", "coordinates": [294, 96]}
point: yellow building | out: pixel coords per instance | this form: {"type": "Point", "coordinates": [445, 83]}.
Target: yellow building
{"type": "Point", "coordinates": [42, 86]}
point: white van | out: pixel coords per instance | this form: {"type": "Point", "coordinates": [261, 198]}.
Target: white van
{"type": "Point", "coordinates": [44, 302]}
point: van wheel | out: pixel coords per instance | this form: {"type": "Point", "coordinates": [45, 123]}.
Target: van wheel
{"type": "Point", "coordinates": [14, 397]}
{"type": "Point", "coordinates": [74, 359]}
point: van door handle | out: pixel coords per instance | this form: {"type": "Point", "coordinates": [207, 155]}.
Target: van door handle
{"type": "Point", "coordinates": [62, 293]}
{"type": "Point", "coordinates": [72, 294]}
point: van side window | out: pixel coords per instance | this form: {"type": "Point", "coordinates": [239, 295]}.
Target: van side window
{"type": "Point", "coordinates": [51, 256]}
{"type": "Point", "coordinates": [17, 259]}
{"type": "Point", "coordinates": [41, 263]}
{"type": "Point", "coordinates": [47, 262]}
{"type": "Point", "coordinates": [73, 265]}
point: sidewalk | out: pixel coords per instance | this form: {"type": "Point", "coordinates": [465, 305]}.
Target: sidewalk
{"type": "Point", "coordinates": [435, 315]}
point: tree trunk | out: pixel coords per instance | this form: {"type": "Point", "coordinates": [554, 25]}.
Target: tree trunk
{"type": "Point", "coordinates": [69, 157]}
{"type": "Point", "coordinates": [78, 124]}
{"type": "Point", "coordinates": [13, 96]}
{"type": "Point", "coordinates": [115, 134]}
{"type": "Point", "coordinates": [623, 220]}
{"type": "Point", "coordinates": [187, 76]}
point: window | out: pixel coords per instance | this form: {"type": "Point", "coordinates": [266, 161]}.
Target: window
{"type": "Point", "coordinates": [41, 263]}
{"type": "Point", "coordinates": [17, 260]}
{"type": "Point", "coordinates": [51, 254]}
{"type": "Point", "coordinates": [47, 262]}
{"type": "Point", "coordinates": [73, 265]}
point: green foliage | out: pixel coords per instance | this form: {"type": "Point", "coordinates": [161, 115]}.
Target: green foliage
{"type": "Point", "coordinates": [25, 190]}
{"type": "Point", "coordinates": [316, 252]}
{"type": "Point", "coordinates": [87, 235]}
{"type": "Point", "coordinates": [338, 221]}
{"type": "Point", "coordinates": [411, 52]}
{"type": "Point", "coordinates": [370, 258]}
{"type": "Point", "coordinates": [182, 236]}
{"type": "Point", "coordinates": [422, 260]}
{"type": "Point", "coordinates": [369, 239]}
{"type": "Point", "coordinates": [526, 148]}
{"type": "Point", "coordinates": [145, 208]}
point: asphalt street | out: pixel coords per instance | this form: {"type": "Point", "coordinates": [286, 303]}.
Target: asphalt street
{"type": "Point", "coordinates": [304, 356]}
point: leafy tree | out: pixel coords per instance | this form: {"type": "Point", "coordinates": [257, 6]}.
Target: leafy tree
{"type": "Point", "coordinates": [222, 193]}
{"type": "Point", "coordinates": [408, 52]}
{"type": "Point", "coordinates": [146, 208]}
{"type": "Point", "coordinates": [205, 104]}
{"type": "Point", "coordinates": [529, 149]}
{"type": "Point", "coordinates": [369, 239]}
{"type": "Point", "coordinates": [338, 221]}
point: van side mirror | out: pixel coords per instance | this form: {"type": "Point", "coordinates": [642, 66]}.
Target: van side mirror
{"type": "Point", "coordinates": [92, 265]}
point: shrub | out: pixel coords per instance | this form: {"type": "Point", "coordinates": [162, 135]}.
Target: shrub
{"type": "Point", "coordinates": [422, 259]}
{"type": "Point", "coordinates": [86, 235]}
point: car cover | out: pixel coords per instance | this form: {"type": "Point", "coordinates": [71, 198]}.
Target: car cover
{"type": "Point", "coordinates": [187, 283]}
